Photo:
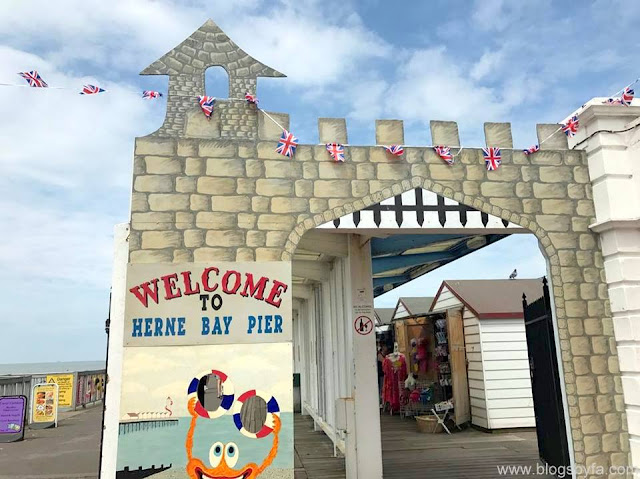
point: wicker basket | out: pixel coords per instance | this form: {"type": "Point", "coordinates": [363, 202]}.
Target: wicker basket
{"type": "Point", "coordinates": [428, 424]}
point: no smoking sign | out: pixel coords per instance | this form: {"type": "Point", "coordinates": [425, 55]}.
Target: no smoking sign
{"type": "Point", "coordinates": [363, 325]}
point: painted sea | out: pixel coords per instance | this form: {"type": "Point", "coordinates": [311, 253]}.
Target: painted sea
{"type": "Point", "coordinates": [53, 367]}
{"type": "Point", "coordinates": [166, 445]}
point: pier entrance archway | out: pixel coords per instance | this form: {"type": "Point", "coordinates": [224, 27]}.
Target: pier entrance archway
{"type": "Point", "coordinates": [409, 235]}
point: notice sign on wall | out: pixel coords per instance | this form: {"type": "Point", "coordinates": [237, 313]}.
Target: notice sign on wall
{"type": "Point", "coordinates": [13, 410]}
{"type": "Point", "coordinates": [45, 403]}
{"type": "Point", "coordinates": [209, 303]}
{"type": "Point", "coordinates": [65, 388]}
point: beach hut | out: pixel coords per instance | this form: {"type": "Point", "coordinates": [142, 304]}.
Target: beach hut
{"type": "Point", "coordinates": [496, 347]}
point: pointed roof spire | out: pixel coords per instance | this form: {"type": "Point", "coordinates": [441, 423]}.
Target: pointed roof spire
{"type": "Point", "coordinates": [209, 46]}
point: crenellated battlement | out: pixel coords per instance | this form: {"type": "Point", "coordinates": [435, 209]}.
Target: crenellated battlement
{"type": "Point", "coordinates": [250, 123]}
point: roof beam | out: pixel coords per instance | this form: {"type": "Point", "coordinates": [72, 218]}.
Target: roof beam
{"type": "Point", "coordinates": [389, 263]}
{"type": "Point", "coordinates": [331, 244]}
{"type": "Point", "coordinates": [400, 243]}
{"type": "Point", "coordinates": [313, 270]}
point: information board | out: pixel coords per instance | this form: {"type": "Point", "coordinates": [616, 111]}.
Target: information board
{"type": "Point", "coordinates": [13, 411]}
{"type": "Point", "coordinates": [44, 405]}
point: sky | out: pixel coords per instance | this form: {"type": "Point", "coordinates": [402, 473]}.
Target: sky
{"type": "Point", "coordinates": [66, 159]}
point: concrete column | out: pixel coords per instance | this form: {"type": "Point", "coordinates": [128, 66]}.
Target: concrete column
{"type": "Point", "coordinates": [113, 381]}
{"type": "Point", "coordinates": [614, 170]}
{"type": "Point", "coordinates": [367, 463]}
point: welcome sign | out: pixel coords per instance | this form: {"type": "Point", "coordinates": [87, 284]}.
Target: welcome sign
{"type": "Point", "coordinates": [221, 303]}
{"type": "Point", "coordinates": [207, 365]}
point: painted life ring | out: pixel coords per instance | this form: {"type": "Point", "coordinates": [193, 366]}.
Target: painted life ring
{"type": "Point", "coordinates": [273, 409]}
{"type": "Point", "coordinates": [227, 395]}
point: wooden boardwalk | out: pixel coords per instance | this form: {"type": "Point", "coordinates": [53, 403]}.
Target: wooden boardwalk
{"type": "Point", "coordinates": [408, 454]}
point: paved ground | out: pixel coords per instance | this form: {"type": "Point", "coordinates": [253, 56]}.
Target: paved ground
{"type": "Point", "coordinates": [70, 451]}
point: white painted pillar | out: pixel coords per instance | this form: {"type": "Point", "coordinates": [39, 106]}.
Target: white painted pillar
{"type": "Point", "coordinates": [614, 170]}
{"type": "Point", "coordinates": [115, 351]}
{"type": "Point", "coordinates": [367, 463]}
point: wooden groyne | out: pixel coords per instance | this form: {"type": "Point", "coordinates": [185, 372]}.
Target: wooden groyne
{"type": "Point", "coordinates": [139, 473]}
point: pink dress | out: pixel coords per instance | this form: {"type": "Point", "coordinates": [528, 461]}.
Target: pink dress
{"type": "Point", "coordinates": [395, 372]}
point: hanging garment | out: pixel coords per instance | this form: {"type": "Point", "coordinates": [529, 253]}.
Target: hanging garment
{"type": "Point", "coordinates": [395, 373]}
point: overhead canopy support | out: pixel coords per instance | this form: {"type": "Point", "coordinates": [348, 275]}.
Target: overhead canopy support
{"type": "Point", "coordinates": [380, 282]}
{"type": "Point", "coordinates": [400, 243]}
{"type": "Point", "coordinates": [389, 263]}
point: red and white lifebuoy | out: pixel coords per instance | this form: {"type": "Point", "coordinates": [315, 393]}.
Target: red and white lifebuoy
{"type": "Point", "coordinates": [273, 409]}
{"type": "Point", "coordinates": [227, 394]}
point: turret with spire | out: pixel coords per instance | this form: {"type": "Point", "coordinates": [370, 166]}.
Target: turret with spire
{"type": "Point", "coordinates": [186, 65]}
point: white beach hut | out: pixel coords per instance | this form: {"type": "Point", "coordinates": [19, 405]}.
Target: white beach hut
{"type": "Point", "coordinates": [496, 347]}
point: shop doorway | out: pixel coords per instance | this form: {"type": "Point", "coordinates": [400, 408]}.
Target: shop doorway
{"type": "Point", "coordinates": [410, 235]}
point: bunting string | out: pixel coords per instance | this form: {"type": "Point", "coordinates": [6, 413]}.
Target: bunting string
{"type": "Point", "coordinates": [581, 109]}
{"type": "Point", "coordinates": [288, 142]}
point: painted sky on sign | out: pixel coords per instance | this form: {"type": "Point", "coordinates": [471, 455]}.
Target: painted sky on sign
{"type": "Point", "coordinates": [66, 158]}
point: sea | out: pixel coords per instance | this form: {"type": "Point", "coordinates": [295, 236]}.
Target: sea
{"type": "Point", "coordinates": [53, 367]}
{"type": "Point", "coordinates": [166, 444]}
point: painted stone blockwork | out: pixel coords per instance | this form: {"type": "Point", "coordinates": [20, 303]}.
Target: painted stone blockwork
{"type": "Point", "coordinates": [216, 190]}
{"type": "Point", "coordinates": [206, 200]}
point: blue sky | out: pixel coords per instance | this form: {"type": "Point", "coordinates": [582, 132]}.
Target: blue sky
{"type": "Point", "coordinates": [66, 159]}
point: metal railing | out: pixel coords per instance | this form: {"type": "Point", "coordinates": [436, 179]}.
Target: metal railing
{"type": "Point", "coordinates": [88, 386]}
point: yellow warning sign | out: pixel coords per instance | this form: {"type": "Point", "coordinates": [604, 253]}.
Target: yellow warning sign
{"type": "Point", "coordinates": [65, 388]}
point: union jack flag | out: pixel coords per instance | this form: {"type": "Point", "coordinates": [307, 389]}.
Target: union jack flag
{"type": "Point", "coordinates": [444, 152]}
{"type": "Point", "coordinates": [251, 98]}
{"type": "Point", "coordinates": [571, 127]}
{"type": "Point", "coordinates": [492, 157]}
{"type": "Point", "coordinates": [34, 79]}
{"type": "Point", "coordinates": [91, 90]}
{"type": "Point", "coordinates": [206, 103]}
{"type": "Point", "coordinates": [395, 150]}
{"type": "Point", "coordinates": [627, 96]}
{"type": "Point", "coordinates": [531, 150]}
{"type": "Point", "coordinates": [150, 94]}
{"type": "Point", "coordinates": [336, 150]}
{"type": "Point", "coordinates": [287, 144]}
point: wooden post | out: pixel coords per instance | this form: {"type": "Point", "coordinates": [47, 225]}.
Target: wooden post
{"type": "Point", "coordinates": [367, 463]}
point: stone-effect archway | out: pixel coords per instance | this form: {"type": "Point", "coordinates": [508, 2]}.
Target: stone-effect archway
{"type": "Point", "coordinates": [202, 200]}
{"type": "Point", "coordinates": [198, 199]}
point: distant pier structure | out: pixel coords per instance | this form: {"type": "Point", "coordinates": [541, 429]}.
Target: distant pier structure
{"type": "Point", "coordinates": [134, 422]}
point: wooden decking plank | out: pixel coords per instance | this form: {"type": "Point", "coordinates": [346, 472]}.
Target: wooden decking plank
{"type": "Point", "coordinates": [409, 454]}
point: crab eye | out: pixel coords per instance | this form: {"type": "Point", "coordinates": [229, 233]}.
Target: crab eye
{"type": "Point", "coordinates": [215, 454]}
{"type": "Point", "coordinates": [231, 454]}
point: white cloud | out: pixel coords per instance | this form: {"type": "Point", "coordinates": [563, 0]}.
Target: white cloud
{"type": "Point", "coordinates": [432, 85]}
{"type": "Point", "coordinates": [45, 243]}
{"type": "Point", "coordinates": [298, 38]}
{"type": "Point", "coordinates": [487, 64]}
{"type": "Point", "coordinates": [66, 161]}
{"type": "Point", "coordinates": [313, 51]}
